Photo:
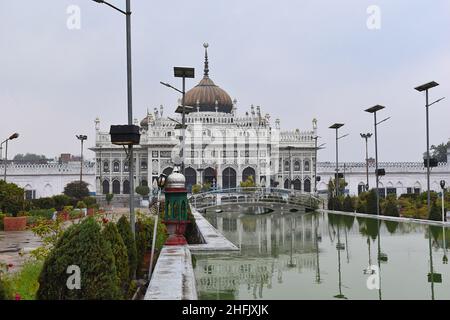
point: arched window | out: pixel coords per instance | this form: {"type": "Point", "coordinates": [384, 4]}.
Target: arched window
{"type": "Point", "coordinates": [105, 186]}
{"type": "Point", "coordinates": [116, 166]}
{"type": "Point", "coordinates": [297, 166]}
{"type": "Point", "coordinates": [126, 187]}
{"type": "Point", "coordinates": [297, 184]}
{"type": "Point", "coordinates": [248, 172]}
{"type": "Point", "coordinates": [307, 186]}
{"type": "Point", "coordinates": [287, 166]}
{"type": "Point", "coordinates": [106, 166]}
{"type": "Point", "coordinates": [144, 165]}
{"type": "Point", "coordinates": [286, 184]}
{"type": "Point", "coordinates": [176, 213]}
{"type": "Point", "coordinates": [116, 187]}
{"type": "Point", "coordinates": [209, 174]}
{"type": "Point", "coordinates": [125, 166]}
{"type": "Point", "coordinates": [306, 165]}
{"type": "Point", "coordinates": [229, 178]}
{"type": "Point", "coordinates": [191, 177]}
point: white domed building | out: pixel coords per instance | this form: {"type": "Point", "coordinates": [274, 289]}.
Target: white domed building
{"type": "Point", "coordinates": [222, 147]}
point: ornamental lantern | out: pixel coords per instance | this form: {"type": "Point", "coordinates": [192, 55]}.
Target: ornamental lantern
{"type": "Point", "coordinates": [176, 208]}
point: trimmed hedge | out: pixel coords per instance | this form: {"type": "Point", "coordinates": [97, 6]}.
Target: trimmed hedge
{"type": "Point", "coordinates": [119, 250]}
{"type": "Point", "coordinates": [80, 245]}
{"type": "Point", "coordinates": [124, 228]}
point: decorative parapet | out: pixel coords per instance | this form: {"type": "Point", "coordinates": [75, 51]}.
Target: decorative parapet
{"type": "Point", "coordinates": [358, 167]}
{"type": "Point", "coordinates": [48, 169]}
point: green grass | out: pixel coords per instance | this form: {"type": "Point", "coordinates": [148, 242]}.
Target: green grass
{"type": "Point", "coordinates": [25, 282]}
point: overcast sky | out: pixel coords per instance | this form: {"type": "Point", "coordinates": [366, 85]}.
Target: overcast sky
{"type": "Point", "coordinates": [297, 59]}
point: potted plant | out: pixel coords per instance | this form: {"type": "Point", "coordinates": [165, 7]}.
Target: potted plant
{"type": "Point", "coordinates": [12, 201]}
{"type": "Point", "coordinates": [109, 198]}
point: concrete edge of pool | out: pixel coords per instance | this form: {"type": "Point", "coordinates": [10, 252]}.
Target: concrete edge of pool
{"type": "Point", "coordinates": [173, 277]}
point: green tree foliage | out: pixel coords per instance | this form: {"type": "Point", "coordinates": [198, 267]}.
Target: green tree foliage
{"type": "Point", "coordinates": [249, 183]}
{"type": "Point", "coordinates": [119, 250]}
{"type": "Point", "coordinates": [81, 205]}
{"type": "Point", "coordinates": [43, 203]}
{"type": "Point", "coordinates": [196, 188]}
{"type": "Point", "coordinates": [109, 197]}
{"type": "Point", "coordinates": [11, 198]}
{"type": "Point", "coordinates": [144, 237]}
{"type": "Point", "coordinates": [440, 151]}
{"type": "Point", "coordinates": [90, 201]}
{"type": "Point", "coordinates": [61, 201]}
{"type": "Point", "coordinates": [81, 245]}
{"type": "Point", "coordinates": [371, 202]}
{"type": "Point", "coordinates": [124, 228]}
{"type": "Point", "coordinates": [143, 190]}
{"type": "Point", "coordinates": [348, 204]}
{"type": "Point", "coordinates": [335, 203]}
{"type": "Point", "coordinates": [77, 190]}
{"type": "Point", "coordinates": [435, 212]}
{"type": "Point", "coordinates": [390, 207]}
{"type": "Point", "coordinates": [29, 157]}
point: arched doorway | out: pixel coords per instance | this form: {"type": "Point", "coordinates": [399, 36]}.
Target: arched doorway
{"type": "Point", "coordinates": [209, 174]}
{"type": "Point", "coordinates": [116, 187]}
{"type": "Point", "coordinates": [247, 173]}
{"type": "Point", "coordinates": [126, 187]}
{"type": "Point", "coordinates": [191, 177]}
{"type": "Point", "coordinates": [297, 184]}
{"type": "Point", "coordinates": [286, 184]}
{"type": "Point", "coordinates": [307, 185]}
{"type": "Point", "coordinates": [105, 186]}
{"type": "Point", "coordinates": [229, 178]}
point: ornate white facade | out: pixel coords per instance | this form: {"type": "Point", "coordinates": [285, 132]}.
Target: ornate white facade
{"type": "Point", "coordinates": [221, 147]}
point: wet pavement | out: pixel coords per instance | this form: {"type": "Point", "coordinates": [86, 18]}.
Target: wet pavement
{"type": "Point", "coordinates": [15, 247]}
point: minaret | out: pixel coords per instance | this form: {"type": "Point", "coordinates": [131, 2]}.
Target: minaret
{"type": "Point", "coordinates": [206, 69]}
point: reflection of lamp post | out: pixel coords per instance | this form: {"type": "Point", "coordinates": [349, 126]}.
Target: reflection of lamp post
{"type": "Point", "coordinates": [316, 236]}
{"type": "Point", "coordinates": [339, 248]}
{"type": "Point", "coordinates": [5, 160]}
{"type": "Point", "coordinates": [291, 263]}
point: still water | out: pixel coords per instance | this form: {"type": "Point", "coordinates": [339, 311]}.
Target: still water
{"type": "Point", "coordinates": [288, 255]}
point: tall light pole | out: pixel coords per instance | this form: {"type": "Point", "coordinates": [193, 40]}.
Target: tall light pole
{"type": "Point", "coordinates": [5, 160]}
{"type": "Point", "coordinates": [425, 87]}
{"type": "Point", "coordinates": [315, 155]}
{"type": "Point", "coordinates": [182, 72]}
{"type": "Point", "coordinates": [366, 136]}
{"type": "Point", "coordinates": [127, 13]}
{"type": "Point", "coordinates": [336, 127]}
{"type": "Point", "coordinates": [81, 138]}
{"type": "Point", "coordinates": [374, 110]}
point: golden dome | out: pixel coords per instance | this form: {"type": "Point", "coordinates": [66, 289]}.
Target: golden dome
{"type": "Point", "coordinates": [207, 95]}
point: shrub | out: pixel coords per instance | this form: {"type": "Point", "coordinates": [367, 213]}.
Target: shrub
{"type": "Point", "coordinates": [124, 228]}
{"type": "Point", "coordinates": [435, 212]}
{"type": "Point", "coordinates": [68, 209]}
{"type": "Point", "coordinates": [144, 238]}
{"type": "Point", "coordinates": [119, 250]}
{"type": "Point", "coordinates": [143, 190]}
{"type": "Point", "coordinates": [43, 203]}
{"type": "Point", "coordinates": [81, 245]}
{"type": "Point", "coordinates": [42, 213]}
{"type": "Point", "coordinates": [5, 290]}
{"type": "Point", "coordinates": [196, 188]}
{"type": "Point", "coordinates": [77, 190]}
{"type": "Point", "coordinates": [11, 198]}
{"type": "Point", "coordinates": [25, 282]}
{"type": "Point", "coordinates": [249, 183]}
{"type": "Point", "coordinates": [109, 197]}
{"type": "Point", "coordinates": [371, 205]}
{"type": "Point", "coordinates": [61, 201]}
{"type": "Point", "coordinates": [90, 202]}
{"type": "Point", "coordinates": [348, 204]}
{"type": "Point", "coordinates": [81, 205]}
{"type": "Point", "coordinates": [390, 207]}
{"type": "Point", "coordinates": [334, 203]}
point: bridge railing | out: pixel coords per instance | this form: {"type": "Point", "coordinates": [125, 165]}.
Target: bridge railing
{"type": "Point", "coordinates": [252, 195]}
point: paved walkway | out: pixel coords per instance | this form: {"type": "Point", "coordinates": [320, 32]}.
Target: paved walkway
{"type": "Point", "coordinates": [15, 247]}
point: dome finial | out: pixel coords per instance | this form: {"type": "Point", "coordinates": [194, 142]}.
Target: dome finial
{"type": "Point", "coordinates": [206, 71]}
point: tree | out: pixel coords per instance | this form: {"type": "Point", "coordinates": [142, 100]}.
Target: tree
{"type": "Point", "coordinates": [109, 197]}
{"type": "Point", "coordinates": [249, 183]}
{"type": "Point", "coordinates": [196, 188]}
{"type": "Point", "coordinates": [11, 198]}
{"type": "Point", "coordinates": [77, 190]}
{"type": "Point", "coordinates": [124, 228]}
{"type": "Point", "coordinates": [29, 157]}
{"type": "Point", "coordinates": [371, 202]}
{"type": "Point", "coordinates": [435, 212]}
{"type": "Point", "coordinates": [348, 204]}
{"type": "Point", "coordinates": [440, 151]}
{"type": "Point", "coordinates": [82, 249]}
{"type": "Point", "coordinates": [119, 250]}
{"type": "Point", "coordinates": [391, 207]}
{"type": "Point", "coordinates": [143, 190]}
{"type": "Point", "coordinates": [61, 200]}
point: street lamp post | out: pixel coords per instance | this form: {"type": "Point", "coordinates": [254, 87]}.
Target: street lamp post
{"type": "Point", "coordinates": [426, 87]}
{"type": "Point", "coordinates": [443, 196]}
{"type": "Point", "coordinates": [127, 13]}
{"type": "Point", "coordinates": [336, 127]}
{"type": "Point", "coordinates": [315, 166]}
{"type": "Point", "coordinates": [374, 110]}
{"type": "Point", "coordinates": [366, 136]}
{"type": "Point", "coordinates": [81, 138]}
{"type": "Point", "coordinates": [5, 160]}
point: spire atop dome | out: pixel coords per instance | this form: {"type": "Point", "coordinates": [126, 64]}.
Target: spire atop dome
{"type": "Point", "coordinates": [206, 71]}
